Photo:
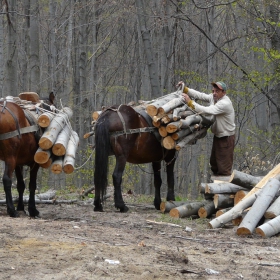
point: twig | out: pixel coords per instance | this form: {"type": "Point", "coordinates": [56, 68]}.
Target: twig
{"type": "Point", "coordinates": [162, 223]}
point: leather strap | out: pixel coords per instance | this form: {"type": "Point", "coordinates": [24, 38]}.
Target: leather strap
{"type": "Point", "coordinates": [23, 130]}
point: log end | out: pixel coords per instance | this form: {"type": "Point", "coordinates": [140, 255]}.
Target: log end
{"type": "Point", "coordinates": [174, 213]}
{"type": "Point", "coordinates": [202, 213]}
{"type": "Point", "coordinates": [56, 168]}
{"type": "Point", "coordinates": [269, 215]}
{"type": "Point", "coordinates": [260, 232]}
{"type": "Point", "coordinates": [243, 231]}
{"type": "Point", "coordinates": [68, 168]}
{"type": "Point", "coordinates": [58, 150]}
{"type": "Point", "coordinates": [41, 157]}
{"type": "Point", "coordinates": [45, 143]}
{"type": "Point", "coordinates": [162, 207]}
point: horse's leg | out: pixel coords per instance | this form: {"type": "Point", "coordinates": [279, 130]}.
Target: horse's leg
{"type": "Point", "coordinates": [7, 182]}
{"type": "Point", "coordinates": [170, 181]}
{"type": "Point", "coordinates": [117, 181]}
{"type": "Point", "coordinates": [33, 212]}
{"type": "Point", "coordinates": [20, 187]}
{"type": "Point", "coordinates": [157, 183]}
{"type": "Point", "coordinates": [97, 200]}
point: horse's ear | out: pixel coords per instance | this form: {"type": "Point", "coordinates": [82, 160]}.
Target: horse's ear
{"type": "Point", "coordinates": [51, 97]}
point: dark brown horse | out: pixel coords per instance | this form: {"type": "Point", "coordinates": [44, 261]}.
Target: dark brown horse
{"type": "Point", "coordinates": [127, 134]}
{"type": "Point", "coordinates": [17, 148]}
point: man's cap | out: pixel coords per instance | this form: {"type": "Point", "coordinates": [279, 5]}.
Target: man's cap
{"type": "Point", "coordinates": [220, 85]}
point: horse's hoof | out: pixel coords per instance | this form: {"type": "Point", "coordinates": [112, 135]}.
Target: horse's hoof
{"type": "Point", "coordinates": [13, 214]}
{"type": "Point", "coordinates": [33, 213]}
{"type": "Point", "coordinates": [124, 209]}
{"type": "Point", "coordinates": [98, 209]}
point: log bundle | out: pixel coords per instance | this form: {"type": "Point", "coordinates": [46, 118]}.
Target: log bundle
{"type": "Point", "coordinates": [58, 144]}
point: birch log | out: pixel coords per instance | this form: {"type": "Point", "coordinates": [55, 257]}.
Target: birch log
{"type": "Point", "coordinates": [194, 119]}
{"type": "Point", "coordinates": [222, 188]}
{"type": "Point", "coordinates": [259, 207]}
{"type": "Point", "coordinates": [168, 143]}
{"type": "Point", "coordinates": [42, 156]}
{"type": "Point", "coordinates": [57, 124]}
{"type": "Point", "coordinates": [69, 158]}
{"type": "Point", "coordinates": [173, 127]}
{"type": "Point", "coordinates": [244, 180]}
{"type": "Point", "coordinates": [56, 166]}
{"type": "Point", "coordinates": [234, 212]}
{"type": "Point", "coordinates": [223, 200]}
{"type": "Point", "coordinates": [61, 142]}
{"type": "Point", "coordinates": [220, 212]}
{"type": "Point", "coordinates": [269, 228]}
{"type": "Point", "coordinates": [177, 110]}
{"type": "Point", "coordinates": [186, 210]}
{"type": "Point", "coordinates": [184, 132]}
{"type": "Point", "coordinates": [45, 119]}
{"type": "Point", "coordinates": [239, 195]}
{"type": "Point", "coordinates": [162, 131]}
{"type": "Point", "coordinates": [207, 210]}
{"type": "Point", "coordinates": [96, 114]}
{"type": "Point", "coordinates": [47, 164]}
{"type": "Point", "coordinates": [168, 205]}
{"type": "Point", "coordinates": [190, 138]}
{"type": "Point", "coordinates": [170, 105]}
{"type": "Point", "coordinates": [274, 209]}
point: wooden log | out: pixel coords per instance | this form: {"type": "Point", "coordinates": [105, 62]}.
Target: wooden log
{"type": "Point", "coordinates": [173, 127]}
{"type": "Point", "coordinates": [166, 206]}
{"type": "Point", "coordinates": [238, 220]}
{"type": "Point", "coordinates": [191, 138]}
{"type": "Point", "coordinates": [170, 105]}
{"type": "Point", "coordinates": [223, 200]}
{"type": "Point", "coordinates": [239, 195]}
{"type": "Point", "coordinates": [156, 123]}
{"type": "Point", "coordinates": [222, 211]}
{"type": "Point", "coordinates": [87, 135]}
{"type": "Point", "coordinates": [269, 228]}
{"type": "Point", "coordinates": [167, 118]}
{"type": "Point", "coordinates": [45, 119]}
{"type": "Point", "coordinates": [273, 210]}
{"type": "Point", "coordinates": [47, 164]}
{"type": "Point", "coordinates": [202, 187]}
{"type": "Point", "coordinates": [190, 120]}
{"type": "Point", "coordinates": [259, 207]}
{"type": "Point", "coordinates": [56, 166]}
{"type": "Point", "coordinates": [177, 110]}
{"type": "Point", "coordinates": [168, 143]}
{"type": "Point", "coordinates": [30, 96]}
{"type": "Point", "coordinates": [234, 212]}
{"type": "Point", "coordinates": [96, 114]}
{"type": "Point", "coordinates": [152, 108]}
{"type": "Point", "coordinates": [61, 142]}
{"type": "Point", "coordinates": [57, 124]}
{"type": "Point", "coordinates": [244, 180]}
{"type": "Point", "coordinates": [207, 210]}
{"type": "Point", "coordinates": [224, 187]}
{"type": "Point", "coordinates": [162, 131]}
{"type": "Point", "coordinates": [42, 156]}
{"type": "Point", "coordinates": [186, 210]}
{"type": "Point", "coordinates": [274, 173]}
{"type": "Point", "coordinates": [184, 132]}
{"type": "Point", "coordinates": [70, 155]}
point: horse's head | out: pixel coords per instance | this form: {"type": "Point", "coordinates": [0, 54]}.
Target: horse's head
{"type": "Point", "coordinates": [48, 102]}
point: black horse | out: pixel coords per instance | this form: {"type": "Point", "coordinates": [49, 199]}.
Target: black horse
{"type": "Point", "coordinates": [128, 134]}
{"type": "Point", "coordinates": [18, 145]}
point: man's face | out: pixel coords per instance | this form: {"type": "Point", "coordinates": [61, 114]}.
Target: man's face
{"type": "Point", "coordinates": [218, 93]}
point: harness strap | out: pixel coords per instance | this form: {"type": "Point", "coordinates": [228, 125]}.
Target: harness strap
{"type": "Point", "coordinates": [132, 131]}
{"type": "Point", "coordinates": [122, 119]}
{"type": "Point", "coordinates": [23, 130]}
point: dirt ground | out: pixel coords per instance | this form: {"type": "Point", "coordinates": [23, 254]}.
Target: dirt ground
{"type": "Point", "coordinates": [70, 241]}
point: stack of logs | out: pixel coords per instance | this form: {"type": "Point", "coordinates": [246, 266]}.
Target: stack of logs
{"type": "Point", "coordinates": [251, 203]}
{"type": "Point", "coordinates": [58, 144]}
{"type": "Point", "coordinates": [176, 123]}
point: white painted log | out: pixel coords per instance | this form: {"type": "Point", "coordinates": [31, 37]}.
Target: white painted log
{"type": "Point", "coordinates": [42, 156]}
{"type": "Point", "coordinates": [269, 228]}
{"type": "Point", "coordinates": [259, 207]}
{"type": "Point", "coordinates": [45, 119]}
{"type": "Point", "coordinates": [224, 187]}
{"type": "Point", "coordinates": [69, 158]}
{"type": "Point", "coordinates": [274, 209]}
{"type": "Point", "coordinates": [244, 180]}
{"type": "Point", "coordinates": [61, 142]}
{"type": "Point", "coordinates": [234, 212]}
{"type": "Point", "coordinates": [57, 124]}
{"type": "Point", "coordinates": [56, 166]}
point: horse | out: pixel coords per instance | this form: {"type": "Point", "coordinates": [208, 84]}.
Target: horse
{"type": "Point", "coordinates": [128, 134]}
{"type": "Point", "coordinates": [19, 137]}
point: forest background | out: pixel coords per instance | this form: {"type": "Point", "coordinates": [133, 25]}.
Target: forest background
{"type": "Point", "coordinates": [94, 53]}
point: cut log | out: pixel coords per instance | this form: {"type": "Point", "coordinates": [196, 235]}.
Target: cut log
{"type": "Point", "coordinates": [57, 124]}
{"type": "Point", "coordinates": [207, 210]}
{"type": "Point", "coordinates": [170, 105]}
{"type": "Point", "coordinates": [162, 131]}
{"type": "Point", "coordinates": [191, 138]}
{"type": "Point", "coordinates": [168, 205]}
{"type": "Point", "coordinates": [167, 119]}
{"type": "Point", "coordinates": [56, 166]}
{"type": "Point", "coordinates": [61, 142]}
{"type": "Point", "coordinates": [190, 120]}
{"type": "Point", "coordinates": [223, 200]}
{"type": "Point", "coordinates": [168, 143]}
{"type": "Point", "coordinates": [237, 221]}
{"type": "Point", "coordinates": [259, 207]}
{"type": "Point", "coordinates": [96, 114]}
{"type": "Point", "coordinates": [47, 164]}
{"type": "Point", "coordinates": [274, 173]}
{"type": "Point", "coordinates": [184, 132]}
{"type": "Point", "coordinates": [222, 211]}
{"type": "Point", "coordinates": [45, 119]}
{"type": "Point", "coordinates": [70, 155]}
{"type": "Point", "coordinates": [157, 123]}
{"type": "Point", "coordinates": [186, 210]}
{"type": "Point", "coordinates": [224, 187]}
{"type": "Point", "coordinates": [152, 108]}
{"type": "Point", "coordinates": [274, 209]}
{"type": "Point", "coordinates": [177, 110]}
{"type": "Point", "coordinates": [42, 156]}
{"type": "Point", "coordinates": [173, 127]}
{"type": "Point", "coordinates": [202, 187]}
{"type": "Point", "coordinates": [269, 228]}
{"type": "Point", "coordinates": [234, 212]}
{"type": "Point", "coordinates": [30, 96]}
{"type": "Point", "coordinates": [244, 180]}
{"type": "Point", "coordinates": [239, 195]}
{"type": "Point", "coordinates": [87, 135]}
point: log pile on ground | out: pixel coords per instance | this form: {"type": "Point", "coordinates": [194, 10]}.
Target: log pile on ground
{"type": "Point", "coordinates": [248, 202]}
{"type": "Point", "coordinates": [59, 143]}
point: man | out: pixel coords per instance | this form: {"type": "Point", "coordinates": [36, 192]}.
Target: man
{"type": "Point", "coordinates": [220, 106]}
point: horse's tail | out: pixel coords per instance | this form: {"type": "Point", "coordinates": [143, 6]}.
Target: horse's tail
{"type": "Point", "coordinates": [102, 151]}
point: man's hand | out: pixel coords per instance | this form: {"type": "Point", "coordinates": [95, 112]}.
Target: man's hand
{"type": "Point", "coordinates": [186, 97]}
